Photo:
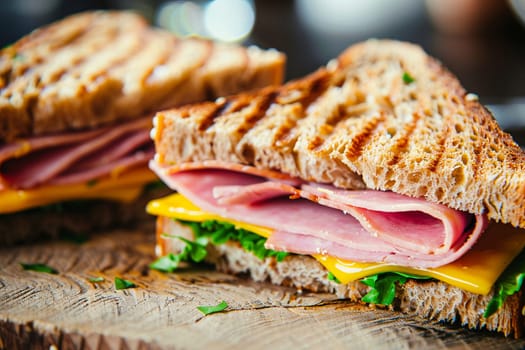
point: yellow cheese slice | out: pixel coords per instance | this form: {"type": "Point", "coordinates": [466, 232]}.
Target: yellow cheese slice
{"type": "Point", "coordinates": [125, 187]}
{"type": "Point", "coordinates": [475, 272]}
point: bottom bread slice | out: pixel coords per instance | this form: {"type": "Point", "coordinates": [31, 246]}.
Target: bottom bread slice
{"type": "Point", "coordinates": [429, 299]}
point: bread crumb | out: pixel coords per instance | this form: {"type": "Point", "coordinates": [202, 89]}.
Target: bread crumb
{"type": "Point", "coordinates": [332, 65]}
{"type": "Point", "coordinates": [472, 97]}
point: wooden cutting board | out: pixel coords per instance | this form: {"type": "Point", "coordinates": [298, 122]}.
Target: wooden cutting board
{"type": "Point", "coordinates": [67, 311]}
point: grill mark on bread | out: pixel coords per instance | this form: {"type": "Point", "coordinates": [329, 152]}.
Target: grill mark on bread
{"type": "Point", "coordinates": [164, 99]}
{"type": "Point", "coordinates": [223, 106]}
{"type": "Point", "coordinates": [30, 92]}
{"type": "Point", "coordinates": [76, 36]}
{"type": "Point", "coordinates": [60, 73]}
{"type": "Point", "coordinates": [315, 88]}
{"type": "Point", "coordinates": [353, 151]}
{"type": "Point", "coordinates": [20, 64]}
{"type": "Point", "coordinates": [402, 142]}
{"type": "Point", "coordinates": [52, 76]}
{"type": "Point", "coordinates": [283, 134]}
{"type": "Point", "coordinates": [219, 109]}
{"type": "Point", "coordinates": [123, 57]}
{"type": "Point", "coordinates": [262, 104]}
{"type": "Point", "coordinates": [311, 90]}
{"type": "Point", "coordinates": [305, 91]}
{"type": "Point", "coordinates": [477, 144]}
{"type": "Point", "coordinates": [477, 160]}
{"type": "Point", "coordinates": [107, 71]}
{"type": "Point", "coordinates": [103, 74]}
{"type": "Point", "coordinates": [345, 111]}
{"type": "Point", "coordinates": [439, 150]}
{"type": "Point", "coordinates": [160, 61]}
{"type": "Point", "coordinates": [79, 23]}
{"type": "Point", "coordinates": [240, 103]}
{"type": "Point", "coordinates": [175, 45]}
{"type": "Point", "coordinates": [5, 79]}
{"type": "Point", "coordinates": [338, 115]}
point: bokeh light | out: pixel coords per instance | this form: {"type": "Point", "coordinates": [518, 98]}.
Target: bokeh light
{"type": "Point", "coordinates": [221, 20]}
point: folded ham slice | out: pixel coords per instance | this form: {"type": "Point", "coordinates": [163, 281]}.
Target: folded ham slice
{"type": "Point", "coordinates": [309, 218]}
{"type": "Point", "coordinates": [252, 193]}
{"type": "Point", "coordinates": [75, 157]}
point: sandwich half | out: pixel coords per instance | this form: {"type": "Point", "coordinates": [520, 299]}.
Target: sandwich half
{"type": "Point", "coordinates": [76, 102]}
{"type": "Point", "coordinates": [377, 178]}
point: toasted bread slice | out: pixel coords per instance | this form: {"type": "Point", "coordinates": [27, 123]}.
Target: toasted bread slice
{"type": "Point", "coordinates": [384, 115]}
{"type": "Point", "coordinates": [428, 299]}
{"type": "Point", "coordinates": [96, 68]}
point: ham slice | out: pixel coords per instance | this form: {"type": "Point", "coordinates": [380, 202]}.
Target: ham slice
{"type": "Point", "coordinates": [73, 157]}
{"type": "Point", "coordinates": [395, 218]}
{"type": "Point", "coordinates": [242, 168]}
{"type": "Point", "coordinates": [113, 168]}
{"type": "Point", "coordinates": [20, 148]}
{"type": "Point", "coordinates": [250, 194]}
{"type": "Point", "coordinates": [367, 226]}
{"type": "Point", "coordinates": [117, 149]}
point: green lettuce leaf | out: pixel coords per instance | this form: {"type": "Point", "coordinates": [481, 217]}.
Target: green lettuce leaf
{"type": "Point", "coordinates": [383, 286]}
{"type": "Point", "coordinates": [193, 251]}
{"type": "Point", "coordinates": [510, 282]}
{"type": "Point", "coordinates": [222, 232]}
{"type": "Point", "coordinates": [217, 233]}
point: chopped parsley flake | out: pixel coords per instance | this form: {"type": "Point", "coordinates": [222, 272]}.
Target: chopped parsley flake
{"type": "Point", "coordinates": [207, 310]}
{"type": "Point", "coordinates": [407, 78]}
{"type": "Point", "coordinates": [96, 279]}
{"type": "Point", "coordinates": [123, 284]}
{"type": "Point", "coordinates": [38, 268]}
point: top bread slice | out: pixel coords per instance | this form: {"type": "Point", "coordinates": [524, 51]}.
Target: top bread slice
{"type": "Point", "coordinates": [384, 115]}
{"type": "Point", "coordinates": [101, 67]}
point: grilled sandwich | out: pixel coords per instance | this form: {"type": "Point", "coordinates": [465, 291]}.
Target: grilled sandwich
{"type": "Point", "coordinates": [76, 102]}
{"type": "Point", "coordinates": [377, 178]}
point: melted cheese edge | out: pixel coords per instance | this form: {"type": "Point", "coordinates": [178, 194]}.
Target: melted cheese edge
{"type": "Point", "coordinates": [124, 187]}
{"type": "Point", "coordinates": [476, 271]}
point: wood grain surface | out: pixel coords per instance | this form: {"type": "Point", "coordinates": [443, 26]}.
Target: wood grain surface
{"type": "Point", "coordinates": [67, 311]}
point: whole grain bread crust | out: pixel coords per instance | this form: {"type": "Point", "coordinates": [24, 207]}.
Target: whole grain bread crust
{"type": "Point", "coordinates": [100, 67]}
{"type": "Point", "coordinates": [384, 116]}
{"type": "Point", "coordinates": [432, 299]}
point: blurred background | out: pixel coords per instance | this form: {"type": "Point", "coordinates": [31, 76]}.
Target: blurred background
{"type": "Point", "coordinates": [481, 41]}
